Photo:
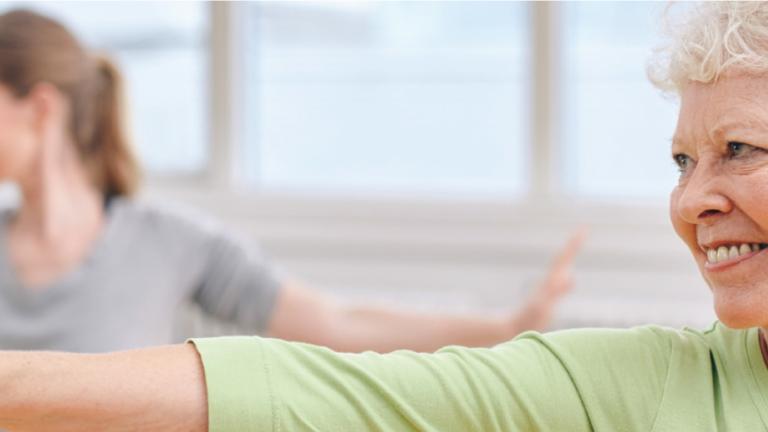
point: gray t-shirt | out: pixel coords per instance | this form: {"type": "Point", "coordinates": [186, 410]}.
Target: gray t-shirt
{"type": "Point", "coordinates": [147, 263]}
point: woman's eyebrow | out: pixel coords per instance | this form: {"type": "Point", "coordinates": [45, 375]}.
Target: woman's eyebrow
{"type": "Point", "coordinates": [676, 144]}
{"type": "Point", "coordinates": [720, 129]}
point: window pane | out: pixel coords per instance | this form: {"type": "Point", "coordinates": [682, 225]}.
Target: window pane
{"type": "Point", "coordinates": [161, 49]}
{"type": "Point", "coordinates": [388, 96]}
{"type": "Point", "coordinates": [617, 127]}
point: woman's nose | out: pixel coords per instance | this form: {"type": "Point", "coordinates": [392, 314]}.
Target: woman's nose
{"type": "Point", "coordinates": [702, 199]}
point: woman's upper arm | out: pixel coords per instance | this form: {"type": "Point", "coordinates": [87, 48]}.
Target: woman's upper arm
{"type": "Point", "coordinates": [267, 384]}
{"type": "Point", "coordinates": [237, 283]}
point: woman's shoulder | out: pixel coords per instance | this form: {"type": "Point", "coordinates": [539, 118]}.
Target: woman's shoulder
{"type": "Point", "coordinates": [164, 219]}
{"type": "Point", "coordinates": [644, 371]}
{"type": "Point", "coordinates": [591, 346]}
{"type": "Point", "coordinates": [644, 341]}
{"type": "Point", "coordinates": [641, 356]}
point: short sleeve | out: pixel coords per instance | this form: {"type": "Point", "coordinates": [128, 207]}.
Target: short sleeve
{"type": "Point", "coordinates": [236, 284]}
{"type": "Point", "coordinates": [621, 374]}
{"type": "Point", "coordinates": [257, 384]}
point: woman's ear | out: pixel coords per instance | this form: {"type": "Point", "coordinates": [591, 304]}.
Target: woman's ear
{"type": "Point", "coordinates": [47, 106]}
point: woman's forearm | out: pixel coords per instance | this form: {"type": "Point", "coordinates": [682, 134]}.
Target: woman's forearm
{"type": "Point", "coordinates": [309, 316]}
{"type": "Point", "coordinates": [383, 330]}
{"type": "Point", "coordinates": [155, 389]}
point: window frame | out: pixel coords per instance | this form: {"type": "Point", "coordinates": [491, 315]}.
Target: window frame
{"type": "Point", "coordinates": [324, 233]}
{"type": "Point", "coordinates": [227, 126]}
{"type": "Point", "coordinates": [227, 104]}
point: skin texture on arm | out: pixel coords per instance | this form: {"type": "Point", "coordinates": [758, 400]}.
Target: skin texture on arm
{"type": "Point", "coordinates": [306, 315]}
{"type": "Point", "coordinates": [156, 389]}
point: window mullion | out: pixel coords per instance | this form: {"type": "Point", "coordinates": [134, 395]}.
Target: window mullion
{"type": "Point", "coordinates": [545, 122]}
{"type": "Point", "coordinates": [226, 101]}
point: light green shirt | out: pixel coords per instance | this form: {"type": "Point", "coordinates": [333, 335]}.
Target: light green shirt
{"type": "Point", "coordinates": [644, 379]}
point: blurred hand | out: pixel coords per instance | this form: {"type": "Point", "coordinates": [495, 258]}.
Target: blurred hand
{"type": "Point", "coordinates": [536, 312]}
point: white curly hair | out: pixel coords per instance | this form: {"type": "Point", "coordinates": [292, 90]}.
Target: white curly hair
{"type": "Point", "coordinates": [709, 39]}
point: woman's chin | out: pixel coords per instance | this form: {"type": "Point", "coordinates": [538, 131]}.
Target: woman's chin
{"type": "Point", "coordinates": [741, 312]}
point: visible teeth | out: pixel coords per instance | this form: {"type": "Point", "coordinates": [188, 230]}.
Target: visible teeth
{"type": "Point", "coordinates": [712, 256]}
{"type": "Point", "coordinates": [744, 249]}
{"type": "Point", "coordinates": [722, 253]}
{"type": "Point", "coordinates": [725, 253]}
{"type": "Point", "coordinates": [733, 252]}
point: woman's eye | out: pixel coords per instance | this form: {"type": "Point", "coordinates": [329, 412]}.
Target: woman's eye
{"type": "Point", "coordinates": [683, 162]}
{"type": "Point", "coordinates": [737, 149]}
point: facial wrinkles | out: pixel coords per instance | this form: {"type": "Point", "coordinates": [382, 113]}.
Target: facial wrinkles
{"type": "Point", "coordinates": [726, 179]}
{"type": "Point", "coordinates": [736, 227]}
{"type": "Point", "coordinates": [746, 123]}
{"type": "Point", "coordinates": [706, 117]}
{"type": "Point", "coordinates": [740, 219]}
{"type": "Point", "coordinates": [692, 128]}
{"type": "Point", "coordinates": [706, 142]}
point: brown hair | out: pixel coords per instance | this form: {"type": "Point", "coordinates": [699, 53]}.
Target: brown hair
{"type": "Point", "coordinates": [35, 49]}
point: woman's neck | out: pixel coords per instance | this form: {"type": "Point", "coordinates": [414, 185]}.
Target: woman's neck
{"type": "Point", "coordinates": [59, 202]}
{"type": "Point", "coordinates": [57, 205]}
{"type": "Point", "coordinates": [60, 218]}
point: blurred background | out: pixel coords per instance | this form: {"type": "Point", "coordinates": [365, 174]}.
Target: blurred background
{"type": "Point", "coordinates": [431, 154]}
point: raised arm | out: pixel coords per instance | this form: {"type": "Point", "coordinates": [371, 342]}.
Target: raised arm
{"type": "Point", "coordinates": [157, 389]}
{"type": "Point", "coordinates": [306, 315]}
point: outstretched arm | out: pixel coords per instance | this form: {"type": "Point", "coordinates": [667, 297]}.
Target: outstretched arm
{"type": "Point", "coordinates": [255, 384]}
{"type": "Point", "coordinates": [156, 389]}
{"type": "Point", "coordinates": [307, 315]}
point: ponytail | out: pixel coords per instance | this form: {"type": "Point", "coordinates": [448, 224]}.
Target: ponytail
{"type": "Point", "coordinates": [108, 153]}
{"type": "Point", "coordinates": [37, 49]}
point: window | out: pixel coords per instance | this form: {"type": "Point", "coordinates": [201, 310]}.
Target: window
{"type": "Point", "coordinates": [396, 97]}
{"type": "Point", "coordinates": [161, 49]}
{"type": "Point", "coordinates": [617, 128]}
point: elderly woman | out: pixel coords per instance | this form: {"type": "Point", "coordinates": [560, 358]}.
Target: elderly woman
{"type": "Point", "coordinates": [642, 379]}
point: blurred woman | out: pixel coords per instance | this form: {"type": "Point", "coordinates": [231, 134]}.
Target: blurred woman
{"type": "Point", "coordinates": [85, 267]}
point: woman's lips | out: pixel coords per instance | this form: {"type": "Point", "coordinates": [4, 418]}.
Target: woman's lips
{"type": "Point", "coordinates": [724, 265]}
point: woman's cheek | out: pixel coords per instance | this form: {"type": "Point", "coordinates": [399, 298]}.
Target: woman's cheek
{"type": "Point", "coordinates": [753, 196]}
{"type": "Point", "coordinates": [15, 154]}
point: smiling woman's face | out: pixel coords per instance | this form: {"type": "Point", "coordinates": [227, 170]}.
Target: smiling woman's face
{"type": "Point", "coordinates": [720, 206]}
